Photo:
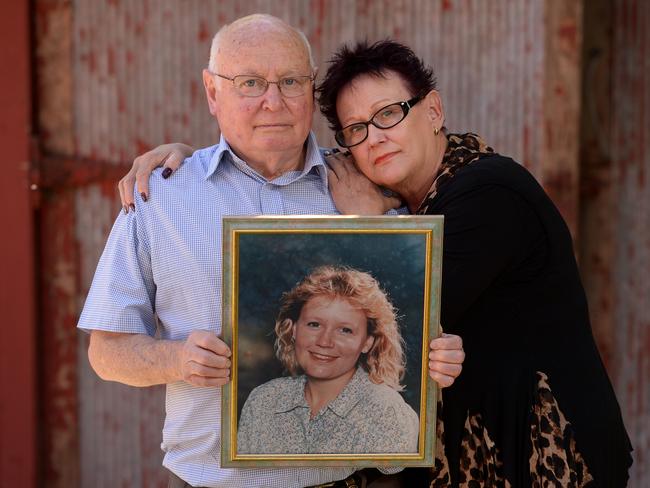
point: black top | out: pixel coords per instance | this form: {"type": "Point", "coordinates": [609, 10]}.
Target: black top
{"type": "Point", "coordinates": [512, 291]}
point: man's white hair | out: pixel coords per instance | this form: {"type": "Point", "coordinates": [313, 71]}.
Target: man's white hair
{"type": "Point", "coordinates": [249, 19]}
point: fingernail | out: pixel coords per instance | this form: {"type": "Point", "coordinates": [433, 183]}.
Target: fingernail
{"type": "Point", "coordinates": [347, 153]}
{"type": "Point", "coordinates": [166, 173]}
{"type": "Point", "coordinates": [132, 205]}
{"type": "Point", "coordinates": [144, 196]}
{"type": "Point", "coordinates": [335, 150]}
{"type": "Point", "coordinates": [327, 153]}
{"type": "Point", "coordinates": [126, 209]}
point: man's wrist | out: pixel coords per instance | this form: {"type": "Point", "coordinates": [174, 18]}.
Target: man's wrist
{"type": "Point", "coordinates": [175, 365]}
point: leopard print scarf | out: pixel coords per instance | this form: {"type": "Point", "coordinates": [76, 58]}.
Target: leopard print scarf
{"type": "Point", "coordinates": [462, 149]}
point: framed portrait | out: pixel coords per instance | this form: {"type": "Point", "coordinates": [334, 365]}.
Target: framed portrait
{"type": "Point", "coordinates": [329, 321]}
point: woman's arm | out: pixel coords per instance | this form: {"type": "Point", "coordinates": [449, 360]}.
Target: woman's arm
{"type": "Point", "coordinates": [170, 156]}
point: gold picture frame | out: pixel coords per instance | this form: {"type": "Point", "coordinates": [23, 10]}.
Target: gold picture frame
{"type": "Point", "coordinates": [266, 256]}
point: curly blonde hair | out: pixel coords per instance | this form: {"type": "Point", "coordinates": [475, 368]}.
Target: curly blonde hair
{"type": "Point", "coordinates": [385, 361]}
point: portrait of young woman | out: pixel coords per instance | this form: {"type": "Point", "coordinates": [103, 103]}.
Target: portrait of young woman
{"type": "Point", "coordinates": [338, 339]}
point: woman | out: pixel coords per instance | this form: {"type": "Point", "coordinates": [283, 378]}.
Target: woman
{"type": "Point", "coordinates": [338, 338]}
{"type": "Point", "coordinates": [534, 406]}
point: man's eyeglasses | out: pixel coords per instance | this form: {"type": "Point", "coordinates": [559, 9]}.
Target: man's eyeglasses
{"type": "Point", "coordinates": [256, 86]}
{"type": "Point", "coordinates": [384, 118]}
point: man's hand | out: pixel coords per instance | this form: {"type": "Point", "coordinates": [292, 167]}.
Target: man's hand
{"type": "Point", "coordinates": [204, 360]}
{"type": "Point", "coordinates": [446, 358]}
{"type": "Point", "coordinates": [170, 156]}
{"type": "Point", "coordinates": [351, 191]}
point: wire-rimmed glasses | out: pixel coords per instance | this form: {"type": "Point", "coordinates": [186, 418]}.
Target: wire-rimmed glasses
{"type": "Point", "coordinates": [256, 86]}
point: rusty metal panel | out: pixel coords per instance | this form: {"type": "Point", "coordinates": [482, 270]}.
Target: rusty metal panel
{"type": "Point", "coordinates": [121, 426]}
{"type": "Point", "coordinates": [53, 62]}
{"type": "Point", "coordinates": [560, 128]}
{"type": "Point", "coordinates": [615, 206]}
{"type": "Point", "coordinates": [58, 359]}
{"type": "Point", "coordinates": [18, 375]}
{"type": "Point", "coordinates": [58, 270]}
{"type": "Point", "coordinates": [137, 65]}
{"type": "Point", "coordinates": [507, 69]}
{"type": "Point", "coordinates": [630, 143]}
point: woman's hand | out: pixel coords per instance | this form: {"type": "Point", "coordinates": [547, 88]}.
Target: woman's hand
{"type": "Point", "coordinates": [351, 191]}
{"type": "Point", "coordinates": [168, 155]}
{"type": "Point", "coordinates": [446, 358]}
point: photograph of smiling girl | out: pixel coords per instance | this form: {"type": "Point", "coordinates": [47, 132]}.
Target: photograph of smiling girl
{"type": "Point", "coordinates": [337, 337]}
{"type": "Point", "coordinates": [329, 320]}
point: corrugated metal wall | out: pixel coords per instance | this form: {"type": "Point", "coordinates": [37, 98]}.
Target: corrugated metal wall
{"type": "Point", "coordinates": [630, 143]}
{"type": "Point", "coordinates": [116, 77]}
{"type": "Point", "coordinates": [615, 206]}
{"type": "Point", "coordinates": [137, 65]}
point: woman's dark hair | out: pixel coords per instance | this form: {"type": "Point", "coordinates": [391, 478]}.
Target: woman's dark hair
{"type": "Point", "coordinates": [376, 59]}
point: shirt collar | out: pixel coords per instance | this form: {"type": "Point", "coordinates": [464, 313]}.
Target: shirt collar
{"type": "Point", "coordinates": [352, 394]}
{"type": "Point", "coordinates": [296, 398]}
{"type": "Point", "coordinates": [314, 163]}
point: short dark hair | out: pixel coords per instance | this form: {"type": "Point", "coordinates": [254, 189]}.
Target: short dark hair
{"type": "Point", "coordinates": [350, 62]}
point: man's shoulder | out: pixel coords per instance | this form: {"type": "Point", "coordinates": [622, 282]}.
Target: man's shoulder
{"type": "Point", "coordinates": [190, 174]}
{"type": "Point", "coordinates": [195, 165]}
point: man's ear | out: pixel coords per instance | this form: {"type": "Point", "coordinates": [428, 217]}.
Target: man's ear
{"type": "Point", "coordinates": [210, 91]}
{"type": "Point", "coordinates": [435, 110]}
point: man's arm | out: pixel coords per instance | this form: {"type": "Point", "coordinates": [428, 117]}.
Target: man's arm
{"type": "Point", "coordinates": [141, 360]}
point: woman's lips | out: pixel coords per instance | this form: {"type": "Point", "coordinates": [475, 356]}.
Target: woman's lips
{"type": "Point", "coordinates": [322, 357]}
{"type": "Point", "coordinates": [384, 158]}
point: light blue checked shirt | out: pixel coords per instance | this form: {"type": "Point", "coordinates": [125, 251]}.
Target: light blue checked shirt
{"type": "Point", "coordinates": [165, 259]}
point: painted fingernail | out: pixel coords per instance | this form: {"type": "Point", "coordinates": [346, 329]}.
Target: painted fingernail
{"type": "Point", "coordinates": [335, 150]}
{"type": "Point", "coordinates": [166, 173]}
{"type": "Point", "coordinates": [347, 153]}
{"type": "Point", "coordinates": [144, 196]}
{"type": "Point", "coordinates": [126, 209]}
{"type": "Point", "coordinates": [327, 153]}
{"type": "Point", "coordinates": [132, 206]}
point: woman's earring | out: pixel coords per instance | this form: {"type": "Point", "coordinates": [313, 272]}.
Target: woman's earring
{"type": "Point", "coordinates": [436, 131]}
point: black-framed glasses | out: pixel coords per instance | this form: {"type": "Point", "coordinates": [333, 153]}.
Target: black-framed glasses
{"type": "Point", "coordinates": [256, 86]}
{"type": "Point", "coordinates": [384, 118]}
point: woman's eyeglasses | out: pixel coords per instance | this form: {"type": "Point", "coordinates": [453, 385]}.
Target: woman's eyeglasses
{"type": "Point", "coordinates": [385, 118]}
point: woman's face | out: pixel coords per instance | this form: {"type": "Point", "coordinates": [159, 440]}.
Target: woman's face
{"type": "Point", "coordinates": [400, 157]}
{"type": "Point", "coordinates": [330, 335]}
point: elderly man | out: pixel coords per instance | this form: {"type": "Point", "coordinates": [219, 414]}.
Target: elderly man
{"type": "Point", "coordinates": [164, 259]}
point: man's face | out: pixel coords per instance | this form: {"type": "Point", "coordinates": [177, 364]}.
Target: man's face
{"type": "Point", "coordinates": [256, 127]}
